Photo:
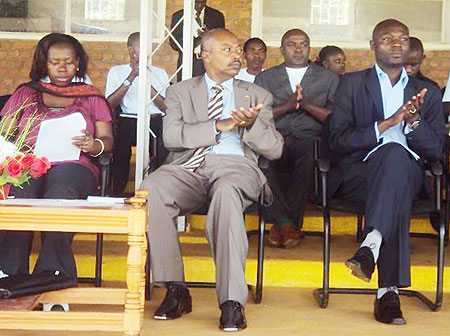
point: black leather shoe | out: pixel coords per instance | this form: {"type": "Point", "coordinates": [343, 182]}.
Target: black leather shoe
{"type": "Point", "coordinates": [177, 302]}
{"type": "Point", "coordinates": [362, 264]}
{"type": "Point", "coordinates": [387, 309]}
{"type": "Point", "coordinates": [232, 317]}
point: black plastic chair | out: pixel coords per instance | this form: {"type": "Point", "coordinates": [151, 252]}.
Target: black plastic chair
{"type": "Point", "coordinates": [420, 207]}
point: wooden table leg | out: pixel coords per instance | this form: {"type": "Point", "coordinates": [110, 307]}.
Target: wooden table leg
{"type": "Point", "coordinates": [135, 274]}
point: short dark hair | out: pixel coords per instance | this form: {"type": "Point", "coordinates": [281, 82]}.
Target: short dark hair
{"type": "Point", "coordinates": [204, 43]}
{"type": "Point", "coordinates": [386, 23]}
{"type": "Point", "coordinates": [40, 57]}
{"type": "Point", "coordinates": [415, 44]}
{"type": "Point", "coordinates": [254, 40]}
{"type": "Point", "coordinates": [133, 38]}
{"type": "Point", "coordinates": [293, 32]}
{"type": "Point", "coordinates": [326, 52]}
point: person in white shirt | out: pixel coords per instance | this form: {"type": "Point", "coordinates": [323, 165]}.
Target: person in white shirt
{"type": "Point", "coordinates": [255, 52]}
{"type": "Point", "coordinates": [446, 98]}
{"type": "Point", "coordinates": [122, 91]}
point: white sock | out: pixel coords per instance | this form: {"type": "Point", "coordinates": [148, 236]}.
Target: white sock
{"type": "Point", "coordinates": [373, 241]}
{"type": "Point", "coordinates": [384, 290]}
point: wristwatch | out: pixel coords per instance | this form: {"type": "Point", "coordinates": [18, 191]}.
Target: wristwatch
{"type": "Point", "coordinates": [126, 83]}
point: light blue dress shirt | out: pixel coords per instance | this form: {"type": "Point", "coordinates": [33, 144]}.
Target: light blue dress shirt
{"type": "Point", "coordinates": [229, 142]}
{"type": "Point", "coordinates": [392, 97]}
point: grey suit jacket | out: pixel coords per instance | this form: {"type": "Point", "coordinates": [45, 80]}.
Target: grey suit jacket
{"type": "Point", "coordinates": [186, 125]}
{"type": "Point", "coordinates": [319, 86]}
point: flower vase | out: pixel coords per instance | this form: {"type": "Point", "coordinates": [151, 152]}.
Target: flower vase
{"type": "Point", "coordinates": [4, 191]}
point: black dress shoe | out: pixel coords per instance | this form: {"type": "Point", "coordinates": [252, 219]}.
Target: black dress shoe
{"type": "Point", "coordinates": [232, 317]}
{"type": "Point", "coordinates": [387, 309]}
{"type": "Point", "coordinates": [362, 264]}
{"type": "Point", "coordinates": [177, 302]}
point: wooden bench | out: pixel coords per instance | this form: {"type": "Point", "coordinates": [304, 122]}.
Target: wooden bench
{"type": "Point", "coordinates": [83, 216]}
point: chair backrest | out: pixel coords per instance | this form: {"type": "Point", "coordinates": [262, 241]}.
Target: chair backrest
{"type": "Point", "coordinates": [3, 100]}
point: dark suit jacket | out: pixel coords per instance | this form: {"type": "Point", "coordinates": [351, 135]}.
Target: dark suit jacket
{"type": "Point", "coordinates": [213, 19]}
{"type": "Point", "coordinates": [358, 105]}
{"type": "Point", "coordinates": [319, 86]}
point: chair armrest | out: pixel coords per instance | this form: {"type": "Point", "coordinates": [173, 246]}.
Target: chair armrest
{"type": "Point", "coordinates": [105, 159]}
{"type": "Point", "coordinates": [436, 168]}
{"type": "Point", "coordinates": [323, 165]}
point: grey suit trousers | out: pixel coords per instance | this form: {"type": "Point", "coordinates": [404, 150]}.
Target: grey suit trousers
{"type": "Point", "coordinates": [231, 183]}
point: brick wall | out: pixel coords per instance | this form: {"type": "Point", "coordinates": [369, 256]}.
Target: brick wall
{"type": "Point", "coordinates": [15, 55]}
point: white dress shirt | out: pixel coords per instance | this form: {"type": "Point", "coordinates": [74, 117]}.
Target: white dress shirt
{"type": "Point", "coordinates": [229, 142]}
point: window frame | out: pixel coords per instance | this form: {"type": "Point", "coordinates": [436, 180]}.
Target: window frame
{"type": "Point", "coordinates": [158, 33]}
{"type": "Point", "coordinates": [257, 22]}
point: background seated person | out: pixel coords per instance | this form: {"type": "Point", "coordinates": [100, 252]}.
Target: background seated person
{"type": "Point", "coordinates": [303, 94]}
{"type": "Point", "coordinates": [255, 52]}
{"type": "Point", "coordinates": [122, 90]}
{"type": "Point", "coordinates": [332, 58]}
{"type": "Point", "coordinates": [61, 57]}
{"type": "Point", "coordinates": [414, 61]}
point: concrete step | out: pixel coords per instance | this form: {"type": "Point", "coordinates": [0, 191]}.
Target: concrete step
{"type": "Point", "coordinates": [298, 267]}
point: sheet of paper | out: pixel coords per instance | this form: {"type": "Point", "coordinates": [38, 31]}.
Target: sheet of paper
{"type": "Point", "coordinates": [54, 140]}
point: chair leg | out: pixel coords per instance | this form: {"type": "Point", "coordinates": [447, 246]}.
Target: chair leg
{"type": "Point", "coordinates": [98, 260]}
{"type": "Point", "coordinates": [260, 262]}
{"type": "Point", "coordinates": [148, 276]}
{"type": "Point", "coordinates": [359, 228]}
{"type": "Point", "coordinates": [321, 295]}
{"type": "Point", "coordinates": [440, 266]}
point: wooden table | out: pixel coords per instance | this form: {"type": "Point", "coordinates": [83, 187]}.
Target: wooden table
{"type": "Point", "coordinates": [81, 216]}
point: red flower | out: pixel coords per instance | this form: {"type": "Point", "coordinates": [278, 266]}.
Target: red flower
{"type": "Point", "coordinates": [26, 161]}
{"type": "Point", "coordinates": [39, 167]}
{"type": "Point", "coordinates": [14, 168]}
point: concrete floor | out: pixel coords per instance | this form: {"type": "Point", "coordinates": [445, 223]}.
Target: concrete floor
{"type": "Point", "coordinates": [284, 312]}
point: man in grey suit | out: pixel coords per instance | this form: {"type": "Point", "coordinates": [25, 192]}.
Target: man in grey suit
{"type": "Point", "coordinates": [303, 94]}
{"type": "Point", "coordinates": [215, 128]}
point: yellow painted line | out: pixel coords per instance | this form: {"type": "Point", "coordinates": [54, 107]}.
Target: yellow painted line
{"type": "Point", "coordinates": [277, 273]}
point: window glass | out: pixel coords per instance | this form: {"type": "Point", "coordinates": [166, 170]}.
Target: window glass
{"type": "Point", "coordinates": [349, 20]}
{"type": "Point", "coordinates": [32, 15]}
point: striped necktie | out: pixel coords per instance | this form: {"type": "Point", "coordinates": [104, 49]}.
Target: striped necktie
{"type": "Point", "coordinates": [215, 108]}
{"type": "Point", "coordinates": [198, 19]}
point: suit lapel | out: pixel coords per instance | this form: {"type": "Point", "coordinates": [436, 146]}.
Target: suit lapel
{"type": "Point", "coordinates": [199, 97]}
{"type": "Point", "coordinates": [373, 86]}
{"type": "Point", "coordinates": [283, 80]}
{"type": "Point", "coordinates": [410, 90]}
{"type": "Point", "coordinates": [242, 97]}
{"type": "Point", "coordinates": [309, 74]}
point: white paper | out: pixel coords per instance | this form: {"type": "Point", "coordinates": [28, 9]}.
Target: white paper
{"type": "Point", "coordinates": [54, 140]}
{"type": "Point", "coordinates": [106, 200]}
{"type": "Point", "coordinates": [54, 203]}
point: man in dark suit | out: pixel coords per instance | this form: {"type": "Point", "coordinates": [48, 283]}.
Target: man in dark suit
{"type": "Point", "coordinates": [215, 160]}
{"type": "Point", "coordinates": [303, 94]}
{"type": "Point", "coordinates": [204, 18]}
{"type": "Point", "coordinates": [383, 125]}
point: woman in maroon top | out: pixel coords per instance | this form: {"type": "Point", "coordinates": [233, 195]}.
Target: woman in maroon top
{"type": "Point", "coordinates": [59, 57]}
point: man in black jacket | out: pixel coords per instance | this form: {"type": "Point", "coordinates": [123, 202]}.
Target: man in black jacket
{"type": "Point", "coordinates": [383, 125]}
{"type": "Point", "coordinates": [204, 18]}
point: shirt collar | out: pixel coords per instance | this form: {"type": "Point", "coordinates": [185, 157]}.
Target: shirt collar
{"type": "Point", "coordinates": [403, 76]}
{"type": "Point", "coordinates": [228, 84]}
